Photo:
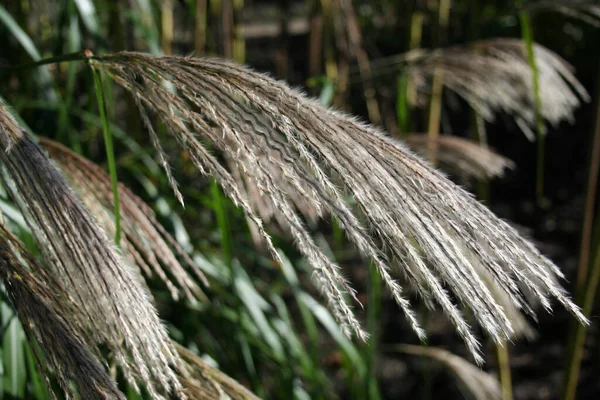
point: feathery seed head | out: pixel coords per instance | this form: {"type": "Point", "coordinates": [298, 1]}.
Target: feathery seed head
{"type": "Point", "coordinates": [494, 76]}
{"type": "Point", "coordinates": [115, 308]}
{"type": "Point", "coordinates": [417, 221]}
{"type": "Point", "coordinates": [45, 309]}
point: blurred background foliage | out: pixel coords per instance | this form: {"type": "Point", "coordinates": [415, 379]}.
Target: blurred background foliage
{"type": "Point", "coordinates": [264, 324]}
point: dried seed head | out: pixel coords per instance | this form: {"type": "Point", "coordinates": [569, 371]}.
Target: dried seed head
{"type": "Point", "coordinates": [146, 243]}
{"type": "Point", "coordinates": [45, 309]}
{"type": "Point", "coordinates": [440, 237]}
{"type": "Point", "coordinates": [495, 76]}
{"type": "Point", "coordinates": [587, 11]}
{"type": "Point", "coordinates": [475, 383]}
{"type": "Point", "coordinates": [115, 307]}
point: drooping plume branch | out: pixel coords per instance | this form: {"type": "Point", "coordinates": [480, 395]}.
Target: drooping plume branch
{"type": "Point", "coordinates": [115, 307]}
{"type": "Point", "coordinates": [45, 311]}
{"type": "Point", "coordinates": [149, 246]}
{"type": "Point", "coordinates": [417, 222]}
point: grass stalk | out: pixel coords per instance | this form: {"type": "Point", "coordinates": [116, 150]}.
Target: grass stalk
{"type": "Point", "coordinates": [503, 356]}
{"type": "Point", "coordinates": [110, 154]}
{"type": "Point", "coordinates": [587, 281]}
{"type": "Point", "coordinates": [577, 340]}
{"type": "Point", "coordinates": [167, 28]}
{"type": "Point", "coordinates": [374, 288]}
{"type": "Point", "coordinates": [239, 42]}
{"type": "Point", "coordinates": [527, 35]}
{"type": "Point", "coordinates": [77, 56]}
{"type": "Point", "coordinates": [437, 86]}
{"type": "Point", "coordinates": [406, 92]}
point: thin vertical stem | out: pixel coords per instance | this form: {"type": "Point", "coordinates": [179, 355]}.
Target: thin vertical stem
{"type": "Point", "coordinates": [435, 107]}
{"type": "Point", "coordinates": [227, 27]}
{"type": "Point", "coordinates": [110, 154]}
{"type": "Point", "coordinates": [167, 26]}
{"type": "Point", "coordinates": [239, 43]}
{"type": "Point", "coordinates": [315, 40]}
{"type": "Point", "coordinates": [502, 354]}
{"type": "Point", "coordinates": [374, 287]}
{"type": "Point", "coordinates": [587, 282]}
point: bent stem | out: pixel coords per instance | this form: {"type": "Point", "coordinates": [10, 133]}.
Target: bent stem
{"type": "Point", "coordinates": [110, 154]}
{"type": "Point", "coordinates": [77, 56]}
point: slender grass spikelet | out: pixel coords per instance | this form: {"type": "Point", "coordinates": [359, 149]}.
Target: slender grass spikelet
{"type": "Point", "coordinates": [587, 11]}
{"type": "Point", "coordinates": [474, 382]}
{"type": "Point", "coordinates": [416, 222]}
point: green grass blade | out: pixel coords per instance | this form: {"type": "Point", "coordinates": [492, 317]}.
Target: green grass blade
{"type": "Point", "coordinates": [38, 386]}
{"type": "Point", "coordinates": [88, 15]}
{"type": "Point", "coordinates": [110, 154]}
{"type": "Point", "coordinates": [13, 346]}
{"type": "Point", "coordinates": [527, 34]}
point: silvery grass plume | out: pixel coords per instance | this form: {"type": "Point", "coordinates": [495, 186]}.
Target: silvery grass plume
{"type": "Point", "coordinates": [462, 157]}
{"type": "Point", "coordinates": [45, 310]}
{"type": "Point", "coordinates": [473, 382]}
{"type": "Point", "coordinates": [144, 240]}
{"type": "Point", "coordinates": [587, 11]}
{"type": "Point", "coordinates": [417, 222]}
{"type": "Point", "coordinates": [115, 308]}
{"type": "Point", "coordinates": [495, 76]}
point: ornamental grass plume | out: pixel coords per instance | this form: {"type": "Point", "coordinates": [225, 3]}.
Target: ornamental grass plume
{"type": "Point", "coordinates": [495, 76]}
{"type": "Point", "coordinates": [409, 219]}
{"type": "Point", "coordinates": [587, 11]}
{"type": "Point", "coordinates": [473, 382]}
{"type": "Point", "coordinates": [462, 157]}
{"type": "Point", "coordinates": [144, 240]}
{"type": "Point", "coordinates": [114, 308]}
{"type": "Point", "coordinates": [45, 310]}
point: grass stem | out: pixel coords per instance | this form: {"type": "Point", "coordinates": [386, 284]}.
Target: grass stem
{"type": "Point", "coordinates": [587, 281]}
{"type": "Point", "coordinates": [527, 34]}
{"type": "Point", "coordinates": [110, 154]}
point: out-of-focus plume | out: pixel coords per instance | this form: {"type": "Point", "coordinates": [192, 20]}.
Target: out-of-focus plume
{"type": "Point", "coordinates": [587, 11]}
{"type": "Point", "coordinates": [462, 156]}
{"type": "Point", "coordinates": [495, 76]}
{"type": "Point", "coordinates": [473, 382]}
